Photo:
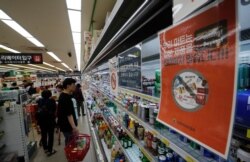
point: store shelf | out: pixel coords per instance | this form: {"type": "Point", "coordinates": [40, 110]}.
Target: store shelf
{"type": "Point", "coordinates": [136, 141]}
{"type": "Point", "coordinates": [171, 141]}
{"type": "Point", "coordinates": [139, 144]}
{"type": "Point", "coordinates": [94, 137]}
{"type": "Point", "coordinates": [123, 150]}
{"type": "Point", "coordinates": [144, 96]}
{"type": "Point", "coordinates": [106, 150]}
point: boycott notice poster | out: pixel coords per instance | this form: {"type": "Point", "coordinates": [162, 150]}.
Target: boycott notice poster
{"type": "Point", "coordinates": [130, 68]}
{"type": "Point", "coordinates": [113, 76]}
{"type": "Point", "coordinates": [198, 63]}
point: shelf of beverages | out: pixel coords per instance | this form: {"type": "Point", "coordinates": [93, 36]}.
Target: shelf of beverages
{"type": "Point", "coordinates": [126, 138]}
{"type": "Point", "coordinates": [187, 149]}
{"type": "Point", "coordinates": [148, 143]}
{"type": "Point", "coordinates": [110, 144]}
{"type": "Point", "coordinates": [99, 153]}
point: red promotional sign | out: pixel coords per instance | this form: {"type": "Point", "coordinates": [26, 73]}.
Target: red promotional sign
{"type": "Point", "coordinates": [198, 59]}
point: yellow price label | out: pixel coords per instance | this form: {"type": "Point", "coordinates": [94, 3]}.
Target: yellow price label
{"type": "Point", "coordinates": [154, 132]}
{"type": "Point", "coordinates": [166, 142]}
{"type": "Point", "coordinates": [248, 133]}
{"type": "Point", "coordinates": [189, 159]}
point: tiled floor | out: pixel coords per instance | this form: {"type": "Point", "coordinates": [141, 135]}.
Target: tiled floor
{"type": "Point", "coordinates": [40, 156]}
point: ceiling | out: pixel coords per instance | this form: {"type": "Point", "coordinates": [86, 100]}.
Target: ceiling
{"type": "Point", "coordinates": [47, 21]}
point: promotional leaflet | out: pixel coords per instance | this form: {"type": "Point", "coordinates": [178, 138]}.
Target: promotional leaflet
{"type": "Point", "coordinates": [21, 58]}
{"type": "Point", "coordinates": [130, 68]}
{"type": "Point", "coordinates": [198, 63]}
{"type": "Point", "coordinates": [113, 76]}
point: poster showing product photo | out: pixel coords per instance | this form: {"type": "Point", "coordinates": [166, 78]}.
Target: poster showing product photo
{"type": "Point", "coordinates": [198, 71]}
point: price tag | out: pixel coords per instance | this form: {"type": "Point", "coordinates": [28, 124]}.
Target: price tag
{"type": "Point", "coordinates": [166, 142]}
{"type": "Point", "coordinates": [248, 133]}
{"type": "Point", "coordinates": [189, 159]}
{"type": "Point", "coordinates": [154, 132]}
{"type": "Point", "coordinates": [146, 154]}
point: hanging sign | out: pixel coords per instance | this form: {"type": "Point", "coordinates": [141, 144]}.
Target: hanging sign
{"type": "Point", "coordinates": [20, 58]}
{"type": "Point", "coordinates": [130, 68]}
{"type": "Point", "coordinates": [198, 63]}
{"type": "Point", "coordinates": [113, 76]}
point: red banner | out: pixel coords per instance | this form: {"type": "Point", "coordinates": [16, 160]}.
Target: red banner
{"type": "Point", "coordinates": [198, 60]}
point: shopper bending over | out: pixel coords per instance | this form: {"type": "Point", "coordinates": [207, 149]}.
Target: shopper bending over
{"type": "Point", "coordinates": [46, 121]}
{"type": "Point", "coordinates": [66, 113]}
{"type": "Point", "coordinates": [79, 99]}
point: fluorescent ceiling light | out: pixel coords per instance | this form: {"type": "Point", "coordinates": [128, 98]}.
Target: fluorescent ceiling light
{"type": "Point", "coordinates": [41, 67]}
{"type": "Point", "coordinates": [35, 42]}
{"type": "Point", "coordinates": [9, 68]}
{"type": "Point", "coordinates": [3, 15]}
{"type": "Point", "coordinates": [78, 55]}
{"type": "Point", "coordinates": [20, 66]}
{"type": "Point", "coordinates": [60, 69]}
{"type": "Point", "coordinates": [9, 49]}
{"type": "Point", "coordinates": [74, 12]}
{"type": "Point", "coordinates": [19, 29]}
{"type": "Point", "coordinates": [15, 26]}
{"type": "Point", "coordinates": [6, 67]}
{"type": "Point", "coordinates": [75, 20]}
{"type": "Point", "coordinates": [54, 56]}
{"type": "Point", "coordinates": [74, 4]}
{"type": "Point", "coordinates": [65, 65]}
{"type": "Point", "coordinates": [45, 63]}
{"type": "Point", "coordinates": [76, 37]}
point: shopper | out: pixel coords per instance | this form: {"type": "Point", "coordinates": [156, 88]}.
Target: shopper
{"type": "Point", "coordinates": [79, 99]}
{"type": "Point", "coordinates": [46, 121]}
{"type": "Point", "coordinates": [59, 89]}
{"type": "Point", "coordinates": [31, 90]}
{"type": "Point", "coordinates": [14, 86]}
{"type": "Point", "coordinates": [66, 113]}
{"type": "Point", "coordinates": [4, 87]}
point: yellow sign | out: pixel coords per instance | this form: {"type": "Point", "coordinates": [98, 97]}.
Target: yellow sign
{"type": "Point", "coordinates": [248, 133]}
{"type": "Point", "coordinates": [166, 142]}
{"type": "Point", "coordinates": [189, 159]}
{"type": "Point", "coordinates": [154, 132]}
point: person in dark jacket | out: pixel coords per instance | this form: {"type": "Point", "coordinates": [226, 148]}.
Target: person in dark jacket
{"type": "Point", "coordinates": [46, 121]}
{"type": "Point", "coordinates": [14, 86]}
{"type": "Point", "coordinates": [79, 99]}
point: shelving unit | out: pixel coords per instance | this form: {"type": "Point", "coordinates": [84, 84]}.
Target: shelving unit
{"type": "Point", "coordinates": [139, 144]}
{"type": "Point", "coordinates": [172, 141]}
{"type": "Point", "coordinates": [144, 96]}
{"type": "Point", "coordinates": [106, 150]}
{"type": "Point", "coordinates": [123, 150]}
{"type": "Point", "coordinates": [99, 153]}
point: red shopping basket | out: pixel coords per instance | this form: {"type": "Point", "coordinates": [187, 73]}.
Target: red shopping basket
{"type": "Point", "coordinates": [77, 148]}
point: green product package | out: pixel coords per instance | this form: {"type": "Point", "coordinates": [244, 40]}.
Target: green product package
{"type": "Point", "coordinates": [158, 76]}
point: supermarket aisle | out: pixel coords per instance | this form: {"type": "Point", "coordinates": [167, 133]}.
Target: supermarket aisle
{"type": "Point", "coordinates": [59, 156]}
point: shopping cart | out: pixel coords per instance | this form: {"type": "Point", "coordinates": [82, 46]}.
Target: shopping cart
{"type": "Point", "coordinates": [77, 148]}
